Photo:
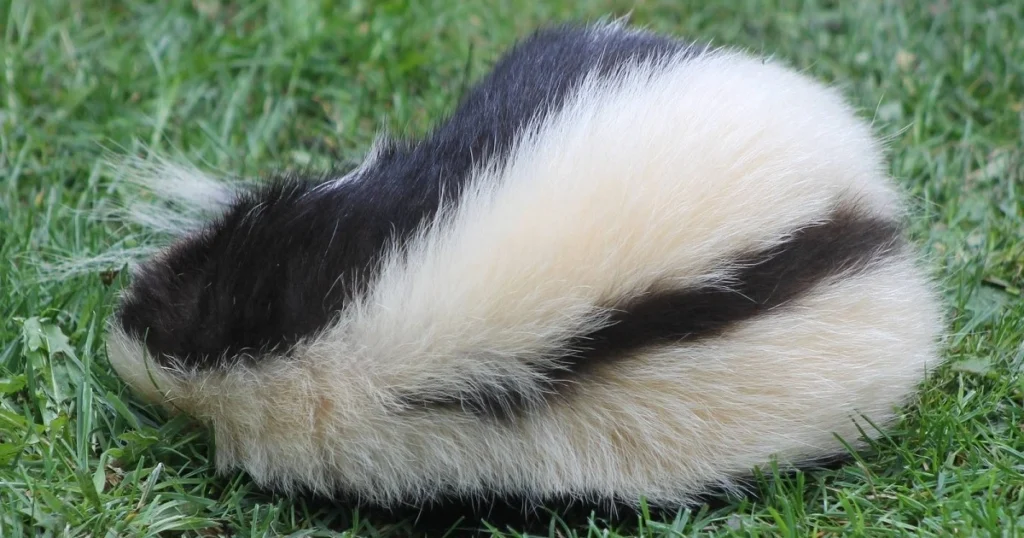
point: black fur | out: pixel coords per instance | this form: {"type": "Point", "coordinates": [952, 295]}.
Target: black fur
{"type": "Point", "coordinates": [848, 241]}
{"type": "Point", "coordinates": [282, 261]}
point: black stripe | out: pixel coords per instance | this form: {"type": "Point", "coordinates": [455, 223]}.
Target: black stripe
{"type": "Point", "coordinates": [847, 242]}
{"type": "Point", "coordinates": [284, 260]}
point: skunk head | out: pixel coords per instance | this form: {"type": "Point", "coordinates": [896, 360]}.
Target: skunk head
{"type": "Point", "coordinates": [252, 281]}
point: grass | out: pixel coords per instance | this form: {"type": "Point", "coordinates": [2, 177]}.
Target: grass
{"type": "Point", "coordinates": [248, 86]}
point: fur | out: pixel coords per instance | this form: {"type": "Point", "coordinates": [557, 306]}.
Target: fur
{"type": "Point", "coordinates": [626, 266]}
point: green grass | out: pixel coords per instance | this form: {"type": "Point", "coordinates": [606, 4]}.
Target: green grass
{"type": "Point", "coordinates": [249, 86]}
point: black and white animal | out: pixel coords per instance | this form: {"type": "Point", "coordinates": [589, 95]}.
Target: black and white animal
{"type": "Point", "coordinates": [625, 267]}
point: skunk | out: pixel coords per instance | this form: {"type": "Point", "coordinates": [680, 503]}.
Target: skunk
{"type": "Point", "coordinates": [625, 267]}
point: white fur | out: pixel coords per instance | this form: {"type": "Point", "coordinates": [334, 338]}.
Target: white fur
{"type": "Point", "coordinates": [652, 178]}
{"type": "Point", "coordinates": [166, 199]}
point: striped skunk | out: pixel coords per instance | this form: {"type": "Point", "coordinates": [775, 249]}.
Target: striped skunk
{"type": "Point", "coordinates": [625, 266]}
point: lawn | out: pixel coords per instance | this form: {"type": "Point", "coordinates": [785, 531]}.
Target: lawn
{"type": "Point", "coordinates": [246, 87]}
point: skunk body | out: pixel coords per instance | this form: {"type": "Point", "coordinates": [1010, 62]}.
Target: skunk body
{"type": "Point", "coordinates": [626, 266]}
